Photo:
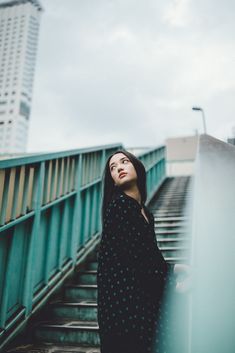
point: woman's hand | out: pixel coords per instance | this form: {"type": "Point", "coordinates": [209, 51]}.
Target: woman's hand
{"type": "Point", "coordinates": [184, 278]}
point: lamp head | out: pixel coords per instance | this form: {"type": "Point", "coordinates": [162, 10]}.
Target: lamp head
{"type": "Point", "coordinates": [196, 108]}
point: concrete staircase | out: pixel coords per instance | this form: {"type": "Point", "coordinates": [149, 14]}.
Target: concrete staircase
{"type": "Point", "coordinates": [169, 208]}
{"type": "Point", "coordinates": [70, 322]}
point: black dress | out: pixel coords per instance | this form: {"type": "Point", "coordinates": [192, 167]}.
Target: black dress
{"type": "Point", "coordinates": [131, 278]}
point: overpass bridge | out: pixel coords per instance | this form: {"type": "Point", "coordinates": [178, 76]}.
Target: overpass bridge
{"type": "Point", "coordinates": [49, 238]}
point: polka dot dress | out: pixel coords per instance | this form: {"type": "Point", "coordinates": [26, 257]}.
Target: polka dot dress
{"type": "Point", "coordinates": [131, 278]}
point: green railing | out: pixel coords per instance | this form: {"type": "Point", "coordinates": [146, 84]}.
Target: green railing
{"type": "Point", "coordinates": [155, 165]}
{"type": "Point", "coordinates": [49, 213]}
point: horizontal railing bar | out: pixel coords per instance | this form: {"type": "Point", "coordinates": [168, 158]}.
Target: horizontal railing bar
{"type": "Point", "coordinates": [60, 199]}
{"type": "Point", "coordinates": [153, 164]}
{"type": "Point", "coordinates": [42, 157]}
{"type": "Point", "coordinates": [151, 150]}
{"type": "Point", "coordinates": [92, 183]}
{"type": "Point", "coordinates": [16, 221]}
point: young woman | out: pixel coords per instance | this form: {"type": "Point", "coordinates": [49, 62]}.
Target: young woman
{"type": "Point", "coordinates": [132, 273]}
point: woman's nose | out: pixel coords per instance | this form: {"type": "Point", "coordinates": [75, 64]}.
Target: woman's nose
{"type": "Point", "coordinates": [119, 168]}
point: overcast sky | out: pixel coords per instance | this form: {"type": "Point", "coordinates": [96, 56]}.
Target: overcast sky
{"type": "Point", "coordinates": [130, 71]}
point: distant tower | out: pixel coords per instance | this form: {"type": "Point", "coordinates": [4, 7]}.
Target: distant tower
{"type": "Point", "coordinates": [19, 27]}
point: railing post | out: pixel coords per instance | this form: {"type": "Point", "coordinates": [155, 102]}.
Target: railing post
{"type": "Point", "coordinates": [6, 285]}
{"type": "Point", "coordinates": [27, 298]}
{"type": "Point", "coordinates": [77, 210]}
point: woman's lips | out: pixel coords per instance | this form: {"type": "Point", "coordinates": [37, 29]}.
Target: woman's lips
{"type": "Point", "coordinates": [122, 175]}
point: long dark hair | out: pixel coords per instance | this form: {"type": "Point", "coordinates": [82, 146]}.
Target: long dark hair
{"type": "Point", "coordinates": [109, 190]}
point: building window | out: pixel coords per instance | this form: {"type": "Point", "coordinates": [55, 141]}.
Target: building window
{"type": "Point", "coordinates": [24, 110]}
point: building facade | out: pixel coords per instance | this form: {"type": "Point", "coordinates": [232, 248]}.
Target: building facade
{"type": "Point", "coordinates": [180, 155]}
{"type": "Point", "coordinates": [19, 29]}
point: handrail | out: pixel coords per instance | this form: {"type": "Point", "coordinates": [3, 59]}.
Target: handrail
{"type": "Point", "coordinates": [212, 310]}
{"type": "Point", "coordinates": [49, 212]}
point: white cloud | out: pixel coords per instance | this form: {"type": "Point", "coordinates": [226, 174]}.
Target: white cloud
{"type": "Point", "coordinates": [178, 13]}
{"type": "Point", "coordinates": [130, 72]}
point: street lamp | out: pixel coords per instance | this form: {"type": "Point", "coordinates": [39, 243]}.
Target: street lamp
{"type": "Point", "coordinates": [203, 116]}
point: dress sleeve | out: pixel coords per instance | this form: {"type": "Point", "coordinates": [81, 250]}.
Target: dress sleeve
{"type": "Point", "coordinates": [123, 242]}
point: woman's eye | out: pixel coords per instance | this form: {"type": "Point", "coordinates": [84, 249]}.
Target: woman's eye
{"type": "Point", "coordinates": [124, 161]}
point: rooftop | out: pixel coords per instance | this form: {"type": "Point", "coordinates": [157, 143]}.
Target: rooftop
{"type": "Point", "coordinates": [8, 3]}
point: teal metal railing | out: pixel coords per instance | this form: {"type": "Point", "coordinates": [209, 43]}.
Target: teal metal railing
{"type": "Point", "coordinates": [155, 166]}
{"type": "Point", "coordinates": [49, 211]}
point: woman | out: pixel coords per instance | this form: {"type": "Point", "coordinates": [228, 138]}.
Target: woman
{"type": "Point", "coordinates": [132, 273]}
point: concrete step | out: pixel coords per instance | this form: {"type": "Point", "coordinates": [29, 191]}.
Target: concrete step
{"type": "Point", "coordinates": [170, 231]}
{"type": "Point", "coordinates": [75, 293]}
{"type": "Point", "coordinates": [160, 225]}
{"type": "Point", "coordinates": [174, 230]}
{"type": "Point", "coordinates": [177, 260]}
{"type": "Point", "coordinates": [174, 248]}
{"type": "Point", "coordinates": [93, 256]}
{"type": "Point", "coordinates": [166, 214]}
{"type": "Point", "coordinates": [169, 207]}
{"type": "Point", "coordinates": [92, 265]}
{"type": "Point", "coordinates": [84, 310]}
{"type": "Point", "coordinates": [87, 277]}
{"type": "Point", "coordinates": [172, 199]}
{"type": "Point", "coordinates": [174, 194]}
{"type": "Point", "coordinates": [163, 237]}
{"type": "Point", "coordinates": [170, 219]}
{"type": "Point", "coordinates": [170, 213]}
{"type": "Point", "coordinates": [181, 241]}
{"type": "Point", "coordinates": [69, 332]}
{"type": "Point", "coordinates": [52, 348]}
{"type": "Point", "coordinates": [174, 253]}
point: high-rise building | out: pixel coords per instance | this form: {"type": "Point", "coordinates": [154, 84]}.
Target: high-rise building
{"type": "Point", "coordinates": [19, 28]}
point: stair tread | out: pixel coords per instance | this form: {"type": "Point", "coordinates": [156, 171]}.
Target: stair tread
{"type": "Point", "coordinates": [68, 324]}
{"type": "Point", "coordinates": [162, 240]}
{"type": "Point", "coordinates": [175, 258]}
{"type": "Point", "coordinates": [172, 218]}
{"type": "Point", "coordinates": [49, 347]}
{"type": "Point", "coordinates": [174, 248]}
{"type": "Point", "coordinates": [170, 225]}
{"type": "Point", "coordinates": [171, 231]}
{"type": "Point", "coordinates": [81, 285]}
{"type": "Point", "coordinates": [91, 303]}
{"type": "Point", "coordinates": [87, 271]}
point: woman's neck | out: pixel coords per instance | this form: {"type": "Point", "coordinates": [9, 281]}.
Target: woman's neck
{"type": "Point", "coordinates": [134, 193]}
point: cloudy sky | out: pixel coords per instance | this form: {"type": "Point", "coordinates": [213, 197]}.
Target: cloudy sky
{"type": "Point", "coordinates": [130, 71]}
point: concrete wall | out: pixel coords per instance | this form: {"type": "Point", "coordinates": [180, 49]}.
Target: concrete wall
{"type": "Point", "coordinates": [180, 155]}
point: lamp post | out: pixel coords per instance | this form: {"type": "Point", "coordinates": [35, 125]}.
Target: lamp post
{"type": "Point", "coordinates": [203, 116]}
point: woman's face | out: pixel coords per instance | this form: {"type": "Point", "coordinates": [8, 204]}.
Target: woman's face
{"type": "Point", "coordinates": [122, 170]}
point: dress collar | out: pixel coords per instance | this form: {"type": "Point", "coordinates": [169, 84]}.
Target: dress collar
{"type": "Point", "coordinates": [132, 199]}
{"type": "Point", "coordinates": [138, 206]}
